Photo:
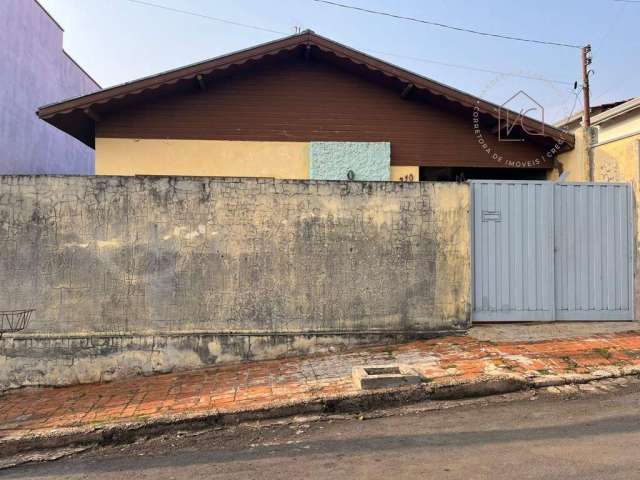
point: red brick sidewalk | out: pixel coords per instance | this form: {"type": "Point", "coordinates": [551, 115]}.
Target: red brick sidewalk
{"type": "Point", "coordinates": [266, 384]}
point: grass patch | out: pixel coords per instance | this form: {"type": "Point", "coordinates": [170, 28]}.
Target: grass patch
{"type": "Point", "coordinates": [388, 350]}
{"type": "Point", "coordinates": [603, 352]}
{"type": "Point", "coordinates": [571, 363]}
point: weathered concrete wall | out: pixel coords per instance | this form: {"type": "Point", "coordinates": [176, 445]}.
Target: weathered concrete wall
{"type": "Point", "coordinates": [113, 264]}
{"type": "Point", "coordinates": [333, 160]}
{"type": "Point", "coordinates": [574, 161]}
{"type": "Point", "coordinates": [84, 358]}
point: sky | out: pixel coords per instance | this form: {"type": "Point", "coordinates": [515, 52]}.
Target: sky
{"type": "Point", "coordinates": [117, 41]}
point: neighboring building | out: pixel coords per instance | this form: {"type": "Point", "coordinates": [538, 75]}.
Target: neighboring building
{"type": "Point", "coordinates": [34, 70]}
{"type": "Point", "coordinates": [615, 144]}
{"type": "Point", "coordinates": [609, 121]}
{"type": "Point", "coordinates": [303, 107]}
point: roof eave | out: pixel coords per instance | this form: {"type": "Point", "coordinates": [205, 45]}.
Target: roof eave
{"type": "Point", "coordinates": [166, 77]}
{"type": "Point", "coordinates": [622, 109]}
{"type": "Point", "coordinates": [310, 38]}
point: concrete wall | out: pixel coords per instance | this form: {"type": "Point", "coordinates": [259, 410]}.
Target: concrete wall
{"type": "Point", "coordinates": [139, 274]}
{"type": "Point", "coordinates": [34, 71]}
{"type": "Point", "coordinates": [333, 160]}
{"type": "Point", "coordinates": [574, 161]}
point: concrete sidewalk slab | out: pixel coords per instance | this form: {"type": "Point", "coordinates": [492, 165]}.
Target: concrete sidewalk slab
{"type": "Point", "coordinates": [536, 331]}
{"type": "Point", "coordinates": [452, 367]}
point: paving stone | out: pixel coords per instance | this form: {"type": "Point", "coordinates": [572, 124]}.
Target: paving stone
{"type": "Point", "coordinates": [240, 387]}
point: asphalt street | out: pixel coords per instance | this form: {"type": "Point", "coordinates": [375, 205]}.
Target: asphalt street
{"type": "Point", "coordinates": [582, 435]}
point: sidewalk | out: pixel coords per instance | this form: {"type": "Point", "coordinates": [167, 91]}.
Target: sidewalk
{"type": "Point", "coordinates": [263, 386]}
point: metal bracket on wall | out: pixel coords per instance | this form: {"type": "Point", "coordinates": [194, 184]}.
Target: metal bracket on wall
{"type": "Point", "coordinates": [12, 321]}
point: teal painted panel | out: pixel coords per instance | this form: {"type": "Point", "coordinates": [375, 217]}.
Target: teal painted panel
{"type": "Point", "coordinates": [334, 160]}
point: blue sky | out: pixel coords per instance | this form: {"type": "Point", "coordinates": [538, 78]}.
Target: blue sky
{"type": "Point", "coordinates": [117, 41]}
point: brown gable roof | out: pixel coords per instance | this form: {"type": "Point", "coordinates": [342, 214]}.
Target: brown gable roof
{"type": "Point", "coordinates": [76, 116]}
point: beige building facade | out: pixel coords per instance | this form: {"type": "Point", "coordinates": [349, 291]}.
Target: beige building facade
{"type": "Point", "coordinates": [614, 146]}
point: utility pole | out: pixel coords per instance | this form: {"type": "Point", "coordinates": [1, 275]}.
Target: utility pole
{"type": "Point", "coordinates": [586, 112]}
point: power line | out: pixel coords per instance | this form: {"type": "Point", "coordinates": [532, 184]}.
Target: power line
{"type": "Point", "coordinates": [451, 27]}
{"type": "Point", "coordinates": [612, 24]}
{"type": "Point", "coordinates": [208, 17]}
{"type": "Point", "coordinates": [615, 87]}
{"type": "Point", "coordinates": [419, 59]}
{"type": "Point", "coordinates": [475, 69]}
{"type": "Point", "coordinates": [575, 102]}
{"type": "Point", "coordinates": [627, 1]}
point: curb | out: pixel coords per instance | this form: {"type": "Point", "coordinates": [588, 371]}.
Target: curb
{"type": "Point", "coordinates": [128, 432]}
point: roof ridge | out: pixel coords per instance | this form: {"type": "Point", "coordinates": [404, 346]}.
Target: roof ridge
{"type": "Point", "coordinates": [290, 42]}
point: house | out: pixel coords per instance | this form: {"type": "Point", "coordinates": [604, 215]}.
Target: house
{"type": "Point", "coordinates": [35, 70]}
{"type": "Point", "coordinates": [303, 107]}
{"type": "Point", "coordinates": [614, 144]}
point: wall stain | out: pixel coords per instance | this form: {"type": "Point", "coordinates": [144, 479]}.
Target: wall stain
{"type": "Point", "coordinates": [150, 255]}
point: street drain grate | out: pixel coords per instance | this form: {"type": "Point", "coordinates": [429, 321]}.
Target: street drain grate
{"type": "Point", "coordinates": [382, 370]}
{"type": "Point", "coordinates": [370, 377]}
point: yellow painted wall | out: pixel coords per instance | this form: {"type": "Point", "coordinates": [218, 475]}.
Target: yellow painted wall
{"type": "Point", "coordinates": [618, 161]}
{"type": "Point", "coordinates": [405, 174]}
{"type": "Point", "coordinates": [616, 127]}
{"type": "Point", "coordinates": [574, 161]}
{"type": "Point", "coordinates": [215, 158]}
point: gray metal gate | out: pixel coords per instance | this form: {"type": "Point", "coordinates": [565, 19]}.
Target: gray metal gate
{"type": "Point", "coordinates": [551, 251]}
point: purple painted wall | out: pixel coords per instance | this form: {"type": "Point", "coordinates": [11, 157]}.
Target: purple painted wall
{"type": "Point", "coordinates": [35, 71]}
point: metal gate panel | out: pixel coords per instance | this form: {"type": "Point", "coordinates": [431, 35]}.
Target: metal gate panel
{"type": "Point", "coordinates": [512, 242]}
{"type": "Point", "coordinates": [594, 254]}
